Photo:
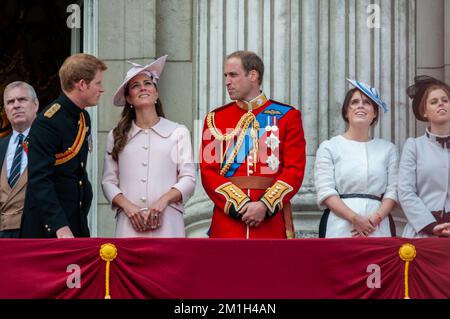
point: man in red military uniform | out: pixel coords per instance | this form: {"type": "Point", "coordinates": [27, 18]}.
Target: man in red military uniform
{"type": "Point", "coordinates": [252, 159]}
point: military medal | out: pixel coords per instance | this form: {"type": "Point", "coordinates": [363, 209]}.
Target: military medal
{"type": "Point", "coordinates": [273, 162]}
{"type": "Point", "coordinates": [271, 120]}
{"type": "Point", "coordinates": [274, 126]}
{"type": "Point", "coordinates": [272, 142]}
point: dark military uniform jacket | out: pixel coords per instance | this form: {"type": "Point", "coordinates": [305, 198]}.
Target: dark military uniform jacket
{"type": "Point", "coordinates": [59, 192]}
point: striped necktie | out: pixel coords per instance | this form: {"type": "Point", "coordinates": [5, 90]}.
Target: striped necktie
{"type": "Point", "coordinates": [14, 174]}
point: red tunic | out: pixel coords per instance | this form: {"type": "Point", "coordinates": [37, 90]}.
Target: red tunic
{"type": "Point", "coordinates": [287, 175]}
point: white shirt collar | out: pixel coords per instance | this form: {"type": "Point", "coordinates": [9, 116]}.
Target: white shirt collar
{"type": "Point", "coordinates": [15, 135]}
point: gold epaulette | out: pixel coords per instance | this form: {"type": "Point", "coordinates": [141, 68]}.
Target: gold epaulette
{"type": "Point", "coordinates": [52, 110]}
{"type": "Point", "coordinates": [72, 151]}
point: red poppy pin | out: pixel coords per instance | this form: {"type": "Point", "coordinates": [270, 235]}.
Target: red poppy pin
{"type": "Point", "coordinates": [25, 146]}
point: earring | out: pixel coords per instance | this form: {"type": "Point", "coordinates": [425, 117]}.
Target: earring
{"type": "Point", "coordinates": [131, 106]}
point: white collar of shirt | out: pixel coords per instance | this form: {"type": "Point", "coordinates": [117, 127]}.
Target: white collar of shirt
{"type": "Point", "coordinates": [163, 128]}
{"type": "Point", "coordinates": [15, 136]}
{"type": "Point", "coordinates": [441, 140]}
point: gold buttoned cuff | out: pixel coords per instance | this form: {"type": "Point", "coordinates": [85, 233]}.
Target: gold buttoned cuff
{"type": "Point", "coordinates": [274, 195]}
{"type": "Point", "coordinates": [233, 195]}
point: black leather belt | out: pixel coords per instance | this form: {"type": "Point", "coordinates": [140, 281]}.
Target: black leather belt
{"type": "Point", "coordinates": [326, 213]}
{"type": "Point", "coordinates": [369, 196]}
{"type": "Point", "coordinates": [441, 216]}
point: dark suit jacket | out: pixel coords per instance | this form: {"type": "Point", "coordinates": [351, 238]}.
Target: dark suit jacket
{"type": "Point", "coordinates": [57, 195]}
{"type": "Point", "coordinates": [4, 147]}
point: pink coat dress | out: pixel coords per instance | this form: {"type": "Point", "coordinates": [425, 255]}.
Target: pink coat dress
{"type": "Point", "coordinates": [153, 161]}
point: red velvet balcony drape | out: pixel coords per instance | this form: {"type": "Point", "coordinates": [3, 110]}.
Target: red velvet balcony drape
{"type": "Point", "coordinates": [224, 269]}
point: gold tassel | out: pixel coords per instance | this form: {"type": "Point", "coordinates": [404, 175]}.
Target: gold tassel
{"type": "Point", "coordinates": [407, 253]}
{"type": "Point", "coordinates": [108, 252]}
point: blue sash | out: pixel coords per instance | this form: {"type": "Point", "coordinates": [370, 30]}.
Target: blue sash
{"type": "Point", "coordinates": [263, 118]}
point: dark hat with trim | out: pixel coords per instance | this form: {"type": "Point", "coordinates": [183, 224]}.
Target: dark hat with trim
{"type": "Point", "coordinates": [417, 90]}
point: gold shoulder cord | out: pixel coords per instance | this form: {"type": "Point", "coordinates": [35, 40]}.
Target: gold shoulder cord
{"type": "Point", "coordinates": [247, 117]}
{"type": "Point", "coordinates": [72, 151]}
{"type": "Point", "coordinates": [242, 126]}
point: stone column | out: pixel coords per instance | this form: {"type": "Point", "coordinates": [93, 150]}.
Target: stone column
{"type": "Point", "coordinates": [126, 32]}
{"type": "Point", "coordinates": [447, 41]}
{"type": "Point", "coordinates": [90, 45]}
{"type": "Point", "coordinates": [433, 41]}
{"type": "Point", "coordinates": [432, 33]}
{"type": "Point", "coordinates": [309, 48]}
{"type": "Point", "coordinates": [140, 31]}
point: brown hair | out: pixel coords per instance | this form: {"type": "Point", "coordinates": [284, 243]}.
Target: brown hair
{"type": "Point", "coordinates": [250, 61]}
{"type": "Point", "coordinates": [346, 104]}
{"type": "Point", "coordinates": [78, 67]}
{"type": "Point", "coordinates": [428, 90]}
{"type": "Point", "coordinates": [120, 132]}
